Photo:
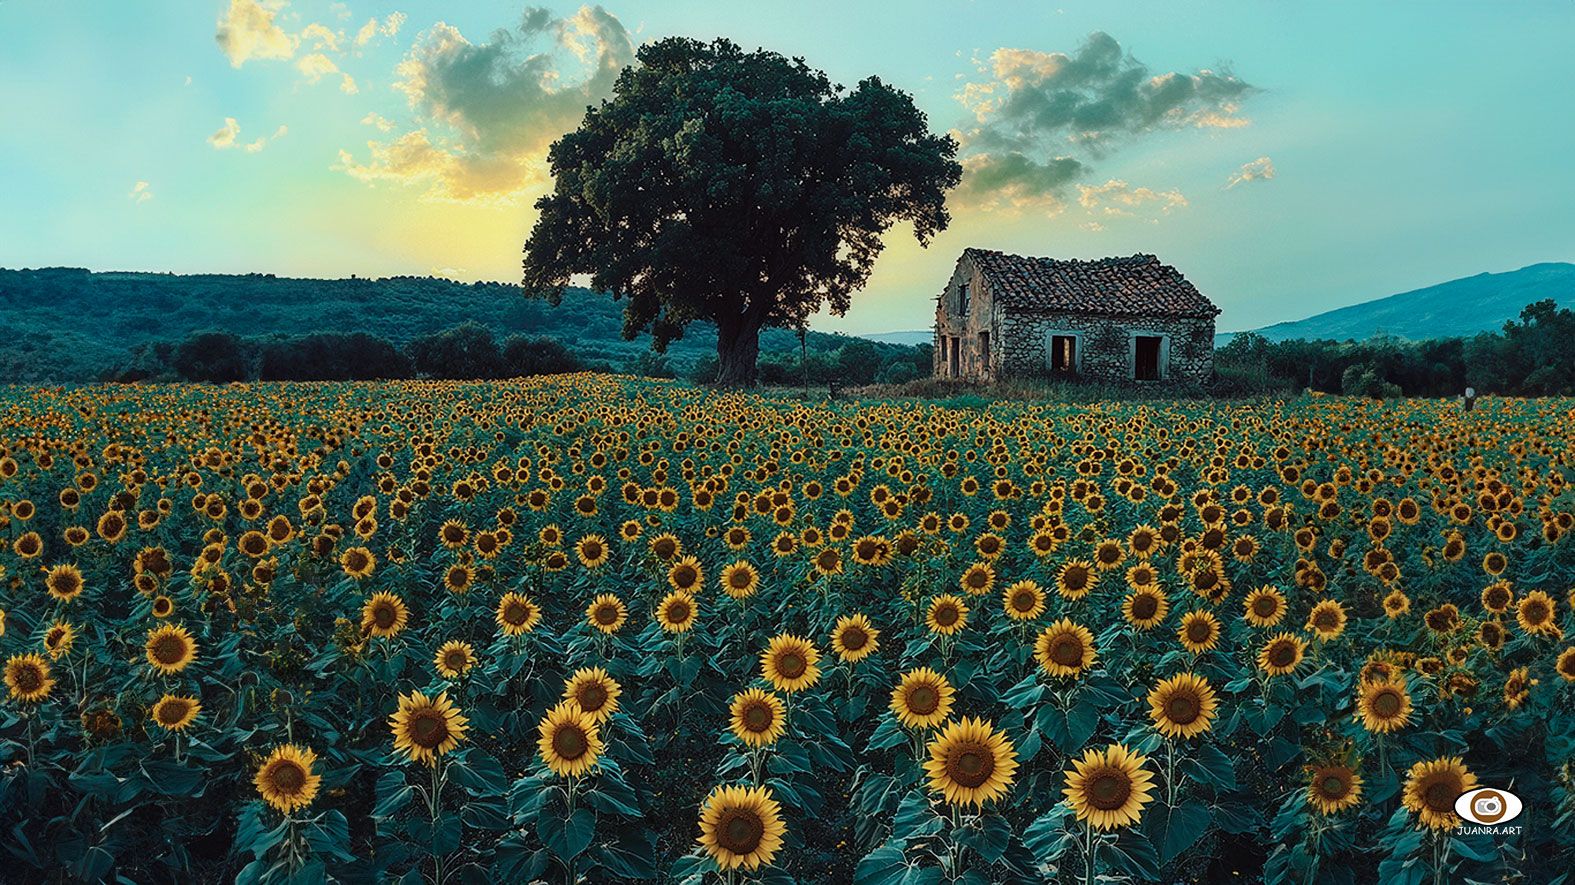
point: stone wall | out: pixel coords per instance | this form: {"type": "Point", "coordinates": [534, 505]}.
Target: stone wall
{"type": "Point", "coordinates": [1105, 345]}
{"type": "Point", "coordinates": [951, 322]}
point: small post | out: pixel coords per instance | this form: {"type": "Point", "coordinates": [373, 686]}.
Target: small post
{"type": "Point", "coordinates": [1469, 400]}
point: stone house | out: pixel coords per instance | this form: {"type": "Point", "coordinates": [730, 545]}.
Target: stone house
{"type": "Point", "coordinates": [1115, 319]}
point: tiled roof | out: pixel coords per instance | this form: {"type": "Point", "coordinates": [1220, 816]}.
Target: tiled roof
{"type": "Point", "coordinates": [1139, 286]}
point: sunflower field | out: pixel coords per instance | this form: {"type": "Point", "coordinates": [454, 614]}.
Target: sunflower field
{"type": "Point", "coordinates": [599, 629]}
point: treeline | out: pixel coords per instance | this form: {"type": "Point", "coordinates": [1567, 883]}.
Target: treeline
{"type": "Point", "coordinates": [1534, 356]}
{"type": "Point", "coordinates": [471, 351]}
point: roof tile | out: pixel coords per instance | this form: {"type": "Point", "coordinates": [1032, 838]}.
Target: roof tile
{"type": "Point", "coordinates": [1139, 286]}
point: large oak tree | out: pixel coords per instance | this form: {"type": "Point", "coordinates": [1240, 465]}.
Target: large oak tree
{"type": "Point", "coordinates": [743, 188]}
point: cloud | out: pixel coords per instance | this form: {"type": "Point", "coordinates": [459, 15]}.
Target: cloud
{"type": "Point", "coordinates": [1116, 197]}
{"type": "Point", "coordinates": [141, 192]}
{"type": "Point", "coordinates": [1261, 169]}
{"type": "Point", "coordinates": [248, 31]}
{"type": "Point", "coordinates": [322, 37]}
{"type": "Point", "coordinates": [317, 66]}
{"type": "Point", "coordinates": [1039, 118]}
{"type": "Point", "coordinates": [382, 123]}
{"type": "Point", "coordinates": [228, 137]}
{"type": "Point", "coordinates": [389, 27]}
{"type": "Point", "coordinates": [486, 112]}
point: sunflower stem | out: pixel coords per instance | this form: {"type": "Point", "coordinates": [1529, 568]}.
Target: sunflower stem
{"type": "Point", "coordinates": [1088, 853]}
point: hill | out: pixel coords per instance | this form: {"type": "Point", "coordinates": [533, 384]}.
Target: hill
{"type": "Point", "coordinates": [909, 338]}
{"type": "Point", "coordinates": [1458, 308]}
{"type": "Point", "coordinates": [71, 324]}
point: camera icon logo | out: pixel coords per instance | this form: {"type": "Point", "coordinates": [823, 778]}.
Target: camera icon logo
{"type": "Point", "coordinates": [1488, 806]}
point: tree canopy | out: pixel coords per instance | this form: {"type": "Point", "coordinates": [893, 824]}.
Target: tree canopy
{"type": "Point", "coordinates": [738, 187]}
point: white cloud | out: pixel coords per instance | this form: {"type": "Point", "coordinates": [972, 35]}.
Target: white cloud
{"type": "Point", "coordinates": [1116, 197]}
{"type": "Point", "coordinates": [486, 112]}
{"type": "Point", "coordinates": [248, 30]}
{"type": "Point", "coordinates": [322, 37]}
{"type": "Point", "coordinates": [316, 66]}
{"type": "Point", "coordinates": [228, 137]}
{"type": "Point", "coordinates": [1261, 169]}
{"type": "Point", "coordinates": [382, 123]}
{"type": "Point", "coordinates": [388, 28]}
{"type": "Point", "coordinates": [141, 192]}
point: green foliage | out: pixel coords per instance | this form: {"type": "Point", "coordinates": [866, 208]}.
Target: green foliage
{"type": "Point", "coordinates": [738, 187]}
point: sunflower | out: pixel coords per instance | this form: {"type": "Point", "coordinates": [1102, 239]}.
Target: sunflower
{"type": "Point", "coordinates": [757, 717]}
{"type": "Point", "coordinates": [1326, 620]}
{"type": "Point", "coordinates": [570, 743]}
{"type": "Point", "coordinates": [162, 607]}
{"type": "Point", "coordinates": [1535, 613]}
{"type": "Point", "coordinates": [1200, 631]}
{"type": "Point", "coordinates": [686, 575]}
{"type": "Point", "coordinates": [1075, 579]}
{"type": "Point", "coordinates": [174, 712]}
{"type": "Point", "coordinates": [383, 615]}
{"type": "Point", "coordinates": [285, 779]}
{"type": "Point", "coordinates": [607, 613]}
{"type": "Point", "coordinates": [1432, 787]}
{"type": "Point", "coordinates": [947, 615]}
{"type": "Point", "coordinates": [677, 612]}
{"type": "Point", "coordinates": [594, 691]}
{"type": "Point", "coordinates": [517, 614]}
{"type": "Point", "coordinates": [458, 577]}
{"type": "Point", "coordinates": [1566, 664]}
{"type": "Point", "coordinates": [170, 649]}
{"type": "Point", "coordinates": [977, 580]}
{"type": "Point", "coordinates": [1023, 601]}
{"type": "Point", "coordinates": [1065, 648]}
{"type": "Point", "coordinates": [1281, 654]}
{"type": "Point", "coordinates": [854, 638]}
{"type": "Point", "coordinates": [740, 580]}
{"type": "Point", "coordinates": [426, 728]}
{"type": "Point", "coordinates": [64, 582]}
{"type": "Point", "coordinates": [454, 659]}
{"type": "Point", "coordinates": [1333, 788]}
{"type": "Point", "coordinates": [971, 762]}
{"type": "Point", "coordinates": [741, 827]}
{"type": "Point", "coordinates": [27, 677]}
{"type": "Point", "coordinates": [59, 639]}
{"type": "Point", "coordinates": [789, 663]}
{"type": "Point", "coordinates": [922, 699]}
{"type": "Point", "coordinates": [1182, 706]}
{"type": "Point", "coordinates": [592, 551]}
{"type": "Point", "coordinates": [1396, 604]}
{"type": "Point", "coordinates": [1264, 606]}
{"type": "Point", "coordinates": [1145, 607]}
{"type": "Point", "coordinates": [1108, 788]}
{"type": "Point", "coordinates": [358, 562]}
{"type": "Point", "coordinates": [1384, 705]}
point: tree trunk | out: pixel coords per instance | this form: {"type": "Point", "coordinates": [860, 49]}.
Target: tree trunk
{"type": "Point", "coordinates": [737, 348]}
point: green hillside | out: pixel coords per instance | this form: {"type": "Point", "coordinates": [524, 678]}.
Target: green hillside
{"type": "Point", "coordinates": [1456, 309]}
{"type": "Point", "coordinates": [69, 324]}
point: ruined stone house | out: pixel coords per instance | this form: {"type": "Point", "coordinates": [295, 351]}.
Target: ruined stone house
{"type": "Point", "coordinates": [1114, 319]}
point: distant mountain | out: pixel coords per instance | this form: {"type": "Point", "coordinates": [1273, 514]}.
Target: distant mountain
{"type": "Point", "coordinates": [1462, 307]}
{"type": "Point", "coordinates": [916, 336]}
{"type": "Point", "coordinates": [70, 324]}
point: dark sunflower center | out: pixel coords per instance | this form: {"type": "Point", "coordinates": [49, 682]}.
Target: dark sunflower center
{"type": "Point", "coordinates": [1108, 790]}
{"type": "Point", "coordinates": [288, 777]}
{"type": "Point", "coordinates": [740, 831]}
{"type": "Point", "coordinates": [1023, 601]}
{"type": "Point", "coordinates": [923, 700]}
{"type": "Point", "coordinates": [1265, 606]}
{"type": "Point", "coordinates": [1282, 654]}
{"type": "Point", "coordinates": [428, 730]}
{"type": "Point", "coordinates": [593, 697]}
{"type": "Point", "coordinates": [1076, 577]}
{"type": "Point", "coordinates": [946, 615]}
{"type": "Point", "coordinates": [1535, 612]}
{"type": "Point", "coordinates": [1386, 703]}
{"type": "Point", "coordinates": [1333, 786]}
{"type": "Point", "coordinates": [384, 616]}
{"type": "Point", "coordinates": [606, 614]}
{"type": "Point", "coordinates": [758, 717]}
{"type": "Point", "coordinates": [1067, 650]}
{"type": "Point", "coordinates": [684, 576]}
{"type": "Point", "coordinates": [1199, 631]}
{"type": "Point", "coordinates": [678, 612]}
{"type": "Point", "coordinates": [740, 580]}
{"type": "Point", "coordinates": [971, 766]}
{"type": "Point", "coordinates": [1440, 795]}
{"type": "Point", "coordinates": [172, 712]}
{"type": "Point", "coordinates": [976, 579]}
{"type": "Point", "coordinates": [169, 649]}
{"type": "Point", "coordinates": [1144, 607]}
{"type": "Point", "coordinates": [1182, 709]}
{"type": "Point", "coordinates": [455, 660]}
{"type": "Point", "coordinates": [791, 664]}
{"type": "Point", "coordinates": [515, 613]}
{"type": "Point", "coordinates": [854, 639]}
{"type": "Point", "coordinates": [569, 742]}
{"type": "Point", "coordinates": [1325, 620]}
{"type": "Point", "coordinates": [28, 679]}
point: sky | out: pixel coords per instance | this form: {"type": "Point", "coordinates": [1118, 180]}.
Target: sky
{"type": "Point", "coordinates": [1287, 157]}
